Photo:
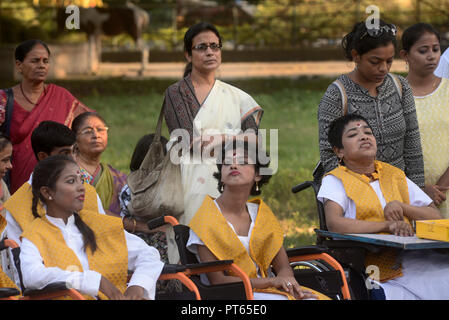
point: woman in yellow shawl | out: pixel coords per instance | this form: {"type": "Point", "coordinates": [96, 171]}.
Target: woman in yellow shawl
{"type": "Point", "coordinates": [231, 227]}
{"type": "Point", "coordinates": [91, 141]}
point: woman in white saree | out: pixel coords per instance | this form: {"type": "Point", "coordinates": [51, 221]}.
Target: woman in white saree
{"type": "Point", "coordinates": [206, 110]}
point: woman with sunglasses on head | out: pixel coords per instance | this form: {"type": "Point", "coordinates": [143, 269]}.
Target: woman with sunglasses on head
{"type": "Point", "coordinates": [384, 99]}
{"type": "Point", "coordinates": [30, 102]}
{"type": "Point", "coordinates": [421, 51]}
{"type": "Point", "coordinates": [91, 141]}
{"type": "Point", "coordinates": [206, 110]}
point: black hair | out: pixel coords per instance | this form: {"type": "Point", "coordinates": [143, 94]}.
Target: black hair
{"type": "Point", "coordinates": [191, 33]}
{"type": "Point", "coordinates": [250, 148]}
{"type": "Point", "coordinates": [79, 120]}
{"type": "Point", "coordinates": [337, 126]}
{"type": "Point", "coordinates": [25, 47]}
{"type": "Point", "coordinates": [45, 174]}
{"type": "Point", "coordinates": [141, 150]}
{"type": "Point", "coordinates": [415, 32]}
{"type": "Point", "coordinates": [4, 142]}
{"type": "Point", "coordinates": [359, 40]}
{"type": "Point", "coordinates": [49, 135]}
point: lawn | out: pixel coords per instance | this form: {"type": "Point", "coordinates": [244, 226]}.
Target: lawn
{"type": "Point", "coordinates": [131, 107]}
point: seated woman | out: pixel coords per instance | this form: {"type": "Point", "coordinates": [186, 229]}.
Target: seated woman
{"type": "Point", "coordinates": [5, 166]}
{"type": "Point", "coordinates": [363, 195]}
{"type": "Point", "coordinates": [91, 141]}
{"type": "Point", "coordinates": [89, 251]}
{"type": "Point", "coordinates": [246, 231]}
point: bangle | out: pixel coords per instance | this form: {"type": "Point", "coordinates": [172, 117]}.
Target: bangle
{"type": "Point", "coordinates": [134, 226]}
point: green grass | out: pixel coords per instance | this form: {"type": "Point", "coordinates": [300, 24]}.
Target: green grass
{"type": "Point", "coordinates": [131, 107]}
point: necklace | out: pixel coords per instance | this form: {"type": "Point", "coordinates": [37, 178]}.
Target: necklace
{"type": "Point", "coordinates": [24, 95]}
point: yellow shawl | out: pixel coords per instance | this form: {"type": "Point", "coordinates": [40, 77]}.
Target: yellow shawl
{"type": "Point", "coordinates": [265, 242]}
{"type": "Point", "coordinates": [110, 259]}
{"type": "Point", "coordinates": [5, 281]}
{"type": "Point", "coordinates": [368, 207]}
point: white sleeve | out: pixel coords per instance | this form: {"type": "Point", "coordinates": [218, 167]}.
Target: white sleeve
{"type": "Point", "coordinates": [417, 196]}
{"type": "Point", "coordinates": [146, 264]}
{"type": "Point", "coordinates": [193, 242]}
{"type": "Point", "coordinates": [443, 67]}
{"type": "Point", "coordinates": [13, 230]}
{"type": "Point", "coordinates": [332, 189]}
{"type": "Point", "coordinates": [37, 276]}
{"type": "Point", "coordinates": [100, 205]}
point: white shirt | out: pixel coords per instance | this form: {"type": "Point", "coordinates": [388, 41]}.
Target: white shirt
{"type": "Point", "coordinates": [143, 260]}
{"type": "Point", "coordinates": [332, 189]}
{"type": "Point", "coordinates": [442, 70]}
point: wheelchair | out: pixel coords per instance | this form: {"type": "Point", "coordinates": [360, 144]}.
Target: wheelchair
{"type": "Point", "coordinates": [349, 254]}
{"type": "Point", "coordinates": [312, 267]}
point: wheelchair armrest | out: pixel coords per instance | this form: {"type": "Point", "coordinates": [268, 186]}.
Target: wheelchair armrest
{"type": "Point", "coordinates": [338, 244]}
{"type": "Point", "coordinates": [8, 292]}
{"type": "Point", "coordinates": [302, 186]}
{"type": "Point", "coordinates": [173, 268]}
{"type": "Point", "coordinates": [208, 266]}
{"type": "Point", "coordinates": [306, 250]}
{"type": "Point", "coordinates": [52, 287]}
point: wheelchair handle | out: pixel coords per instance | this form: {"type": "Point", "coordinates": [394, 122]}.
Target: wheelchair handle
{"type": "Point", "coordinates": [302, 186]}
{"type": "Point", "coordinates": [160, 221]}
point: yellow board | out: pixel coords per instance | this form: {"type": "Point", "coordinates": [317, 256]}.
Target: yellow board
{"type": "Point", "coordinates": [433, 229]}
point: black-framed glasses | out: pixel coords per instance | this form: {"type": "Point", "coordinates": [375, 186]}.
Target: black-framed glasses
{"type": "Point", "coordinates": [203, 46]}
{"type": "Point", "coordinates": [377, 32]}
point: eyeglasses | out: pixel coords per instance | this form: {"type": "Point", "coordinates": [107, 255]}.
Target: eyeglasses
{"type": "Point", "coordinates": [377, 32]}
{"type": "Point", "coordinates": [91, 131]}
{"type": "Point", "coordinates": [203, 46]}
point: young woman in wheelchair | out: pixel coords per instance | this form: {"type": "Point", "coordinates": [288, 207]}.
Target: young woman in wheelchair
{"type": "Point", "coordinates": [363, 195]}
{"type": "Point", "coordinates": [246, 231]}
{"type": "Point", "coordinates": [88, 251]}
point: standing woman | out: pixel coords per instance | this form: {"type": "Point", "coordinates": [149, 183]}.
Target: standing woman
{"type": "Point", "coordinates": [421, 51]}
{"type": "Point", "coordinates": [385, 100]}
{"type": "Point", "coordinates": [204, 106]}
{"type": "Point", "coordinates": [33, 101]}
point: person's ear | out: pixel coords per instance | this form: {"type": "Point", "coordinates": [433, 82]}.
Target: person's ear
{"type": "Point", "coordinates": [19, 66]}
{"type": "Point", "coordinates": [46, 193]}
{"type": "Point", "coordinates": [188, 56]}
{"type": "Point", "coordinates": [403, 54]}
{"type": "Point", "coordinates": [338, 152]}
{"type": "Point", "coordinates": [41, 155]}
{"type": "Point", "coordinates": [355, 56]}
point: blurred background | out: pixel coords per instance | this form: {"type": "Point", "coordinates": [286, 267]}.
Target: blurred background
{"type": "Point", "coordinates": [282, 52]}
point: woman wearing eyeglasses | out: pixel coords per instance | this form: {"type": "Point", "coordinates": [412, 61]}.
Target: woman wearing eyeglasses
{"type": "Point", "coordinates": [421, 50]}
{"type": "Point", "coordinates": [29, 103]}
{"type": "Point", "coordinates": [204, 107]}
{"type": "Point", "coordinates": [91, 141]}
{"type": "Point", "coordinates": [384, 99]}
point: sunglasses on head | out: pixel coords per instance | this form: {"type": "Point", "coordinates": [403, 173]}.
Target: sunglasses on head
{"type": "Point", "coordinates": [203, 46]}
{"type": "Point", "coordinates": [379, 31]}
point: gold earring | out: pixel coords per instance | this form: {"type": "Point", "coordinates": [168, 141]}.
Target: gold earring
{"type": "Point", "coordinates": [222, 187]}
{"type": "Point", "coordinates": [257, 186]}
{"type": "Point", "coordinates": [50, 198]}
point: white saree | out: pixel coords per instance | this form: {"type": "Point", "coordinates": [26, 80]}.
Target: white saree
{"type": "Point", "coordinates": [222, 112]}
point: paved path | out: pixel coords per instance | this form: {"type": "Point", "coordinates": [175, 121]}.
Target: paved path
{"type": "Point", "coordinates": [239, 69]}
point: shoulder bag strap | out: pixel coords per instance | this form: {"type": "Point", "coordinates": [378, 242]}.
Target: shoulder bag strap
{"type": "Point", "coordinates": [397, 83]}
{"type": "Point", "coordinates": [344, 97]}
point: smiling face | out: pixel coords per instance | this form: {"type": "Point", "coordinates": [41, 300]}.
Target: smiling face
{"type": "Point", "coordinates": [68, 192]}
{"type": "Point", "coordinates": [5, 160]}
{"type": "Point", "coordinates": [359, 143]}
{"type": "Point", "coordinates": [92, 136]}
{"type": "Point", "coordinates": [208, 60]}
{"type": "Point", "coordinates": [374, 65]}
{"type": "Point", "coordinates": [424, 56]}
{"type": "Point", "coordinates": [35, 65]}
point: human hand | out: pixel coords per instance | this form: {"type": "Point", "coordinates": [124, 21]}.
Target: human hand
{"type": "Point", "coordinates": [394, 211]}
{"type": "Point", "coordinates": [436, 193]}
{"type": "Point", "coordinates": [400, 228]}
{"type": "Point", "coordinates": [291, 286]}
{"type": "Point", "coordinates": [111, 291]}
{"type": "Point", "coordinates": [134, 293]}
